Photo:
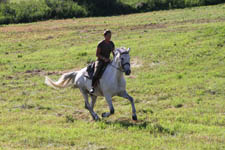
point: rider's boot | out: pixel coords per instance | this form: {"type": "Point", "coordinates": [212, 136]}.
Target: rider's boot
{"type": "Point", "coordinates": [93, 85]}
{"type": "Point", "coordinates": [92, 90]}
{"type": "Point", "coordinates": [98, 67]}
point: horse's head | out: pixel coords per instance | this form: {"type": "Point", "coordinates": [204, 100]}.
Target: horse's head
{"type": "Point", "coordinates": [123, 59]}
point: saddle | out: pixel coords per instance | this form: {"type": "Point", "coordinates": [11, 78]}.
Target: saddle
{"type": "Point", "coordinates": [90, 71]}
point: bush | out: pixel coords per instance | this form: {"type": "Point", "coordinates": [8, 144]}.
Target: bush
{"type": "Point", "coordinates": [29, 11]}
{"type": "Point", "coordinates": [150, 5]}
{"type": "Point", "coordinates": [65, 9]}
{"type": "Point", "coordinates": [6, 14]}
{"type": "Point", "coordinates": [26, 11]}
{"type": "Point", "coordinates": [105, 7]}
{"type": "Point", "coordinates": [34, 10]}
{"type": "Point", "coordinates": [4, 20]}
{"type": "Point", "coordinates": [3, 1]}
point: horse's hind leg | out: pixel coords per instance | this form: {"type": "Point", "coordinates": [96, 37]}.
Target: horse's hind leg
{"type": "Point", "coordinates": [93, 114]}
{"type": "Point", "coordinates": [111, 108]}
{"type": "Point", "coordinates": [127, 96]}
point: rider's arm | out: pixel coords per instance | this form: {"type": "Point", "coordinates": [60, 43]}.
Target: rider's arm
{"type": "Point", "coordinates": [98, 54]}
{"type": "Point", "coordinates": [113, 49]}
{"type": "Point", "coordinates": [113, 53]}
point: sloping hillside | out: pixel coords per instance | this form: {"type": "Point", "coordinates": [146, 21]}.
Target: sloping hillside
{"type": "Point", "coordinates": [177, 81]}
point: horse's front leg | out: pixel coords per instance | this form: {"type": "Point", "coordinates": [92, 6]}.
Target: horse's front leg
{"type": "Point", "coordinates": [93, 101]}
{"type": "Point", "coordinates": [127, 96]}
{"type": "Point", "coordinates": [93, 114]}
{"type": "Point", "coordinates": [111, 108]}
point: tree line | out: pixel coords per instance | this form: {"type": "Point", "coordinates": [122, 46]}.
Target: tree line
{"type": "Point", "coordinates": [35, 10]}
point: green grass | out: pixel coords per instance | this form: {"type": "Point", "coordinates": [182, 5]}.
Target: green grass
{"type": "Point", "coordinates": [179, 86]}
{"type": "Point", "coordinates": [132, 2]}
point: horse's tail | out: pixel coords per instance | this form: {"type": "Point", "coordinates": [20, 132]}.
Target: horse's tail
{"type": "Point", "coordinates": [64, 81]}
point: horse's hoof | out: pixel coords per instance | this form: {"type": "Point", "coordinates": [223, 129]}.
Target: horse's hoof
{"type": "Point", "coordinates": [96, 118]}
{"type": "Point", "coordinates": [134, 117]}
{"type": "Point", "coordinates": [105, 114]}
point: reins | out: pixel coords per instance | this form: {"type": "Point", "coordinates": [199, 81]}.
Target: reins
{"type": "Point", "coordinates": [122, 64]}
{"type": "Point", "coordinates": [116, 67]}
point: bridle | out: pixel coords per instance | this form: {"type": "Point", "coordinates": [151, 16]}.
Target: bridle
{"type": "Point", "coordinates": [122, 70]}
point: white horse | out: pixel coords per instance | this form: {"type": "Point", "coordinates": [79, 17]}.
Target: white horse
{"type": "Point", "coordinates": [112, 83]}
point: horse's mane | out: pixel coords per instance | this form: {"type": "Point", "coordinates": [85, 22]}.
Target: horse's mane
{"type": "Point", "coordinates": [121, 50]}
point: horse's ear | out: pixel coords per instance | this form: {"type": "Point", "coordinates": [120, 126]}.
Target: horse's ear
{"type": "Point", "coordinates": [128, 50]}
{"type": "Point", "coordinates": [115, 52]}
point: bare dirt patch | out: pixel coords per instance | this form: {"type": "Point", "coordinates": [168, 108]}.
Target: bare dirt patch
{"type": "Point", "coordinates": [199, 21]}
{"type": "Point", "coordinates": [72, 25]}
{"type": "Point", "coordinates": [156, 63]}
{"type": "Point", "coordinates": [136, 63]}
{"type": "Point", "coordinates": [148, 26]}
{"type": "Point", "coordinates": [43, 72]}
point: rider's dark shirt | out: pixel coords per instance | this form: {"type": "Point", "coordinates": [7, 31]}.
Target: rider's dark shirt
{"type": "Point", "coordinates": [106, 48]}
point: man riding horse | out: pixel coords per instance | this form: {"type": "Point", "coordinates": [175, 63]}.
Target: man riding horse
{"type": "Point", "coordinates": [104, 49]}
{"type": "Point", "coordinates": [112, 82]}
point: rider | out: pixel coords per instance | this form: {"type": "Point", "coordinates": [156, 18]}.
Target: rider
{"type": "Point", "coordinates": [104, 48]}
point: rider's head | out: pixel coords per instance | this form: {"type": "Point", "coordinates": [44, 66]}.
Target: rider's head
{"type": "Point", "coordinates": [107, 35]}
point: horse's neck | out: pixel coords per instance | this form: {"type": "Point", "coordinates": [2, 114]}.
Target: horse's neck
{"type": "Point", "coordinates": [115, 62]}
{"type": "Point", "coordinates": [115, 69]}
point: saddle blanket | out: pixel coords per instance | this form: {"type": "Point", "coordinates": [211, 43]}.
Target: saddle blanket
{"type": "Point", "coordinates": [90, 71]}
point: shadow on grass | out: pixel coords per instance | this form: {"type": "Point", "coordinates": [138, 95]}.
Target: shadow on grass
{"type": "Point", "coordinates": [127, 123]}
{"type": "Point", "coordinates": [152, 128]}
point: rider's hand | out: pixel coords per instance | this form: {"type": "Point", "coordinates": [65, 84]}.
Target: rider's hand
{"type": "Point", "coordinates": [107, 60]}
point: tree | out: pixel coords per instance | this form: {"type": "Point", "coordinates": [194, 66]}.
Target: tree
{"type": "Point", "coordinates": [3, 1]}
{"type": "Point", "coordinates": [105, 7]}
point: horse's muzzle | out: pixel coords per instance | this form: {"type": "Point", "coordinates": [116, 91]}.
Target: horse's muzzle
{"type": "Point", "coordinates": [128, 72]}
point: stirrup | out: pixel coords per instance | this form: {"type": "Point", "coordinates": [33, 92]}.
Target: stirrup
{"type": "Point", "coordinates": [92, 91]}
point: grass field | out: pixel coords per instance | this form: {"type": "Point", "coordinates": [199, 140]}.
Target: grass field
{"type": "Point", "coordinates": [177, 81]}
